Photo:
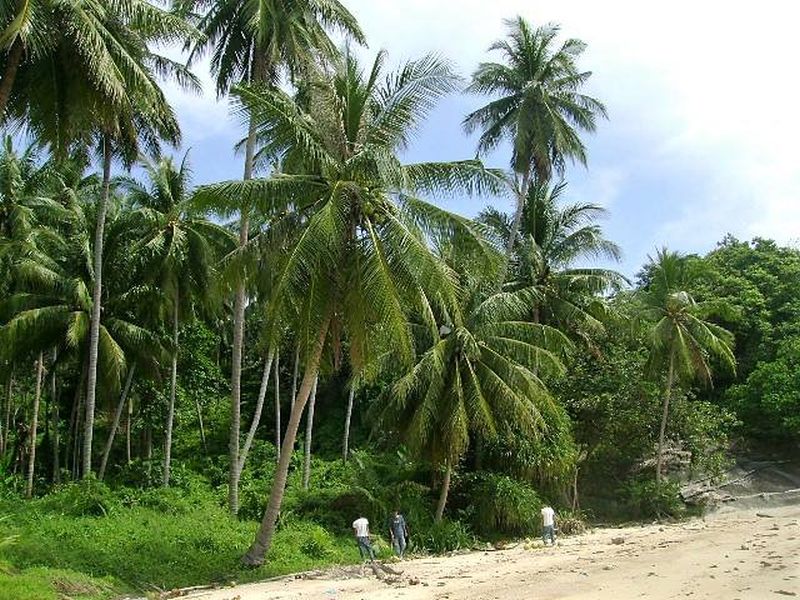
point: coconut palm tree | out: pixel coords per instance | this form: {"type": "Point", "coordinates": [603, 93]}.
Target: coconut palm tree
{"type": "Point", "coordinates": [682, 341]}
{"type": "Point", "coordinates": [538, 108]}
{"type": "Point", "coordinates": [552, 241]}
{"type": "Point", "coordinates": [179, 250]}
{"type": "Point", "coordinates": [361, 260]}
{"type": "Point", "coordinates": [253, 41]}
{"type": "Point", "coordinates": [481, 376]}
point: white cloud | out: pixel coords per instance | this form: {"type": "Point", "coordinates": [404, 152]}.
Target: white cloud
{"type": "Point", "coordinates": [706, 87]}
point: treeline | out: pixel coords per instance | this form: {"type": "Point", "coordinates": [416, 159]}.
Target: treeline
{"type": "Point", "coordinates": [150, 326]}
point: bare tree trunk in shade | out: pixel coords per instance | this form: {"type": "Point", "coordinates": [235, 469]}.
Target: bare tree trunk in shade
{"type": "Point", "coordinates": [121, 405]}
{"type": "Point", "coordinates": [34, 426]}
{"type": "Point", "coordinates": [173, 386]}
{"type": "Point", "coordinates": [262, 396]}
{"type": "Point", "coordinates": [277, 405]}
{"type": "Point", "coordinates": [309, 433]}
{"type": "Point", "coordinates": [54, 417]}
{"type": "Point", "coordinates": [9, 402]}
{"type": "Point", "coordinates": [296, 373]}
{"type": "Point", "coordinates": [443, 494]}
{"type": "Point", "coordinates": [128, 418]}
{"type": "Point", "coordinates": [263, 540]}
{"type": "Point", "coordinates": [347, 418]}
{"type": "Point", "coordinates": [94, 324]}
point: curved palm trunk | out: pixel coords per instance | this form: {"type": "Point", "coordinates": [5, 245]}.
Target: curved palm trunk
{"type": "Point", "coordinates": [262, 395]}
{"type": "Point", "coordinates": [347, 418]}
{"type": "Point", "coordinates": [173, 384]}
{"type": "Point", "coordinates": [263, 540]}
{"type": "Point", "coordinates": [665, 414]}
{"type": "Point", "coordinates": [444, 492]}
{"type": "Point", "coordinates": [238, 341]}
{"type": "Point", "coordinates": [123, 403]}
{"type": "Point", "coordinates": [309, 433]}
{"type": "Point", "coordinates": [10, 74]}
{"type": "Point", "coordinates": [200, 422]}
{"type": "Point", "coordinates": [277, 403]}
{"type": "Point", "coordinates": [94, 326]}
{"type": "Point", "coordinates": [34, 426]}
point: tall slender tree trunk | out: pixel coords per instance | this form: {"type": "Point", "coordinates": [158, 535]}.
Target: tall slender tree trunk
{"type": "Point", "coordinates": [263, 540]}
{"type": "Point", "coordinates": [277, 403]}
{"type": "Point", "coordinates": [444, 492]}
{"type": "Point", "coordinates": [238, 338]}
{"type": "Point", "coordinates": [123, 403]}
{"type": "Point", "coordinates": [54, 417]}
{"type": "Point", "coordinates": [309, 432]}
{"type": "Point", "coordinates": [200, 422]}
{"type": "Point", "coordinates": [94, 326]}
{"type": "Point", "coordinates": [9, 76]}
{"type": "Point", "coordinates": [664, 415]}
{"type": "Point", "coordinates": [7, 417]}
{"type": "Point", "coordinates": [522, 194]}
{"type": "Point", "coordinates": [34, 426]}
{"type": "Point", "coordinates": [262, 396]}
{"type": "Point", "coordinates": [128, 418]}
{"type": "Point", "coordinates": [173, 384]}
{"type": "Point", "coordinates": [350, 399]}
{"type": "Point", "coordinates": [296, 373]}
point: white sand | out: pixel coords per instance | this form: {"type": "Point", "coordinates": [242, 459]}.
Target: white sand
{"type": "Point", "coordinates": [727, 556]}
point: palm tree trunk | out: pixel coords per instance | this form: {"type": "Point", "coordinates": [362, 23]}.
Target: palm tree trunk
{"type": "Point", "coordinates": [277, 404]}
{"type": "Point", "coordinates": [34, 426]}
{"type": "Point", "coordinates": [94, 326]}
{"type": "Point", "coordinates": [263, 540]}
{"type": "Point", "coordinates": [347, 417]}
{"type": "Point", "coordinates": [128, 418]}
{"type": "Point", "coordinates": [54, 416]}
{"type": "Point", "coordinates": [9, 402]}
{"type": "Point", "coordinates": [515, 225]}
{"type": "Point", "coordinates": [123, 403]}
{"type": "Point", "coordinates": [309, 432]}
{"type": "Point", "coordinates": [173, 384]}
{"type": "Point", "coordinates": [200, 421]}
{"type": "Point", "coordinates": [238, 340]}
{"type": "Point", "coordinates": [296, 372]}
{"type": "Point", "coordinates": [664, 415]}
{"type": "Point", "coordinates": [10, 75]}
{"type": "Point", "coordinates": [443, 494]}
{"type": "Point", "coordinates": [262, 395]}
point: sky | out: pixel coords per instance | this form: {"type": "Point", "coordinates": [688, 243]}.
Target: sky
{"type": "Point", "coordinates": [702, 99]}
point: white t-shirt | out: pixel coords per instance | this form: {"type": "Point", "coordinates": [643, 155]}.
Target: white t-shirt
{"type": "Point", "coordinates": [548, 516]}
{"type": "Point", "coordinates": [362, 527]}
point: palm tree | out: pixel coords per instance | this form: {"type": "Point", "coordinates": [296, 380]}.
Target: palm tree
{"type": "Point", "coordinates": [481, 375]}
{"type": "Point", "coordinates": [551, 242]}
{"type": "Point", "coordinates": [539, 107]}
{"type": "Point", "coordinates": [361, 259]}
{"type": "Point", "coordinates": [53, 306]}
{"type": "Point", "coordinates": [252, 41]}
{"type": "Point", "coordinates": [681, 339]}
{"type": "Point", "coordinates": [180, 250]}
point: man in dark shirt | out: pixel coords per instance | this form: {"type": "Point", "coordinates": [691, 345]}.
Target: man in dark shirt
{"type": "Point", "coordinates": [398, 530]}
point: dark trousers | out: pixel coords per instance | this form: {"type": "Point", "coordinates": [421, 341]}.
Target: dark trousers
{"type": "Point", "coordinates": [365, 548]}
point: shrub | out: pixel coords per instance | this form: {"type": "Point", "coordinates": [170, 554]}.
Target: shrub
{"type": "Point", "coordinates": [445, 536]}
{"type": "Point", "coordinates": [647, 499]}
{"type": "Point", "coordinates": [86, 498]}
{"type": "Point", "coordinates": [499, 504]}
{"type": "Point", "coordinates": [572, 522]}
{"type": "Point", "coordinates": [336, 509]}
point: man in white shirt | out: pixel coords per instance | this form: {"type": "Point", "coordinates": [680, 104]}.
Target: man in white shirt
{"type": "Point", "coordinates": [548, 525]}
{"type": "Point", "coordinates": [361, 531]}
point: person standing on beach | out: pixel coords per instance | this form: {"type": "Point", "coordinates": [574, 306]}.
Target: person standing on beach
{"type": "Point", "coordinates": [548, 525]}
{"type": "Point", "coordinates": [398, 530]}
{"type": "Point", "coordinates": [361, 531]}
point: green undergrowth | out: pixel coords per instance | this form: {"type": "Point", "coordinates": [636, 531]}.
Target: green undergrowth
{"type": "Point", "coordinates": [56, 553]}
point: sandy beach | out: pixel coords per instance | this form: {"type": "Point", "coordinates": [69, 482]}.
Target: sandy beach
{"type": "Point", "coordinates": [731, 554]}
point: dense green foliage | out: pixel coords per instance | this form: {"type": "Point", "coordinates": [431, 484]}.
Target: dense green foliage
{"type": "Point", "coordinates": [477, 369]}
